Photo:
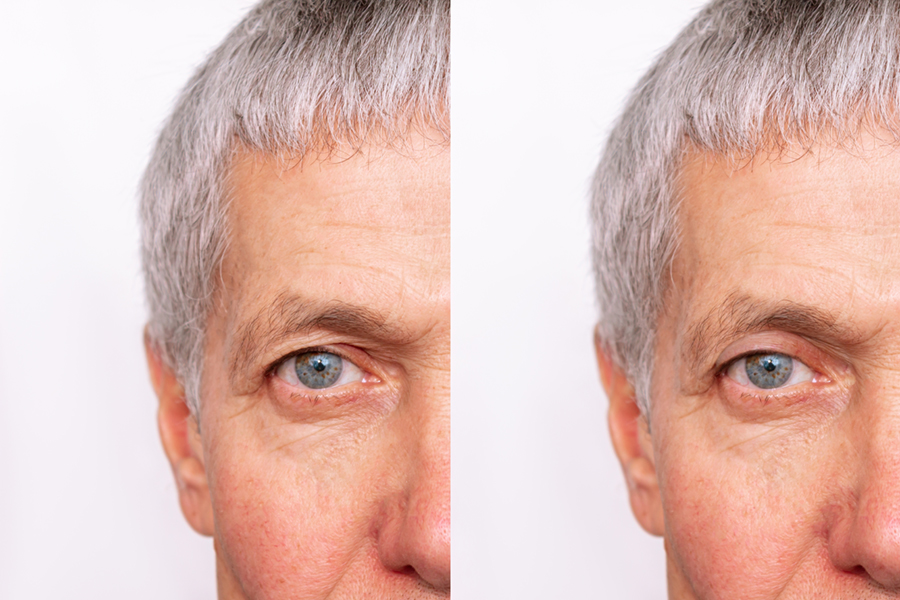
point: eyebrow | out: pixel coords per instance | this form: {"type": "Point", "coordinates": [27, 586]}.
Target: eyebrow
{"type": "Point", "coordinates": [742, 314]}
{"type": "Point", "coordinates": [292, 315]}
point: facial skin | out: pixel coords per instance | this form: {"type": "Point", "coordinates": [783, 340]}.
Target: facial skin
{"type": "Point", "coordinates": [340, 492]}
{"type": "Point", "coordinates": [791, 492]}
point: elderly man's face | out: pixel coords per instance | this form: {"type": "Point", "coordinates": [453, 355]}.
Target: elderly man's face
{"type": "Point", "coordinates": [772, 466]}
{"type": "Point", "coordinates": [322, 466]}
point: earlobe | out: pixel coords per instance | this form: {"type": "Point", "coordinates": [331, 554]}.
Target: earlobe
{"type": "Point", "coordinates": [181, 442]}
{"type": "Point", "coordinates": [631, 440]}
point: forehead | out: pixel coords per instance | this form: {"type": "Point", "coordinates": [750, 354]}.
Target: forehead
{"type": "Point", "coordinates": [819, 229]}
{"type": "Point", "coordinates": [369, 228]}
{"type": "Point", "coordinates": [824, 203]}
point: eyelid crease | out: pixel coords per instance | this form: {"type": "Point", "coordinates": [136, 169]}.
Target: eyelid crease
{"type": "Point", "coordinates": [291, 315]}
{"type": "Point", "coordinates": [337, 351]}
{"type": "Point", "coordinates": [720, 364]}
{"type": "Point", "coordinates": [280, 361]}
{"type": "Point", "coordinates": [743, 315]}
{"type": "Point", "coordinates": [269, 370]}
{"type": "Point", "coordinates": [796, 347]}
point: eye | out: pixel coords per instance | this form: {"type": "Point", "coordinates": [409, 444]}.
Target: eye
{"type": "Point", "coordinates": [318, 370]}
{"type": "Point", "coordinates": [768, 371]}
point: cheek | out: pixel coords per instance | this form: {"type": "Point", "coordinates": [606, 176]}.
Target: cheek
{"type": "Point", "coordinates": [289, 528]}
{"type": "Point", "coordinates": [264, 528]}
{"type": "Point", "coordinates": [737, 526]}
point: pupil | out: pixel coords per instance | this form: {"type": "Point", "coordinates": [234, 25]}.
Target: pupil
{"type": "Point", "coordinates": [319, 370]}
{"type": "Point", "coordinates": [769, 371]}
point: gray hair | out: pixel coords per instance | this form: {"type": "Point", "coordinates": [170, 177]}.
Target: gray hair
{"type": "Point", "coordinates": [295, 76]}
{"type": "Point", "coordinates": [744, 77]}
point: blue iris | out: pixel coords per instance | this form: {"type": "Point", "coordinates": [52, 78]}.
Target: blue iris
{"type": "Point", "coordinates": [768, 371]}
{"type": "Point", "coordinates": [318, 370]}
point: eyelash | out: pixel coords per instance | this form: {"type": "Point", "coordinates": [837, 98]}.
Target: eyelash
{"type": "Point", "coordinates": [365, 375]}
{"type": "Point", "coordinates": [270, 370]}
{"type": "Point", "coordinates": [830, 379]}
{"type": "Point", "coordinates": [798, 369]}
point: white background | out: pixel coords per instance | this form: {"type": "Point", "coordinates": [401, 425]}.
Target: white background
{"type": "Point", "coordinates": [540, 509]}
{"type": "Point", "coordinates": [88, 508]}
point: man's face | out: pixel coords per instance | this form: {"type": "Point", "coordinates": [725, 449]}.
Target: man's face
{"type": "Point", "coordinates": [325, 405]}
{"type": "Point", "coordinates": [775, 407]}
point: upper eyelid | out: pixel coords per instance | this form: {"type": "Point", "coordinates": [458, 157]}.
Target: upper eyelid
{"type": "Point", "coordinates": [279, 361]}
{"type": "Point", "coordinates": [360, 361]}
{"type": "Point", "coordinates": [723, 371]}
{"type": "Point", "coordinates": [266, 369]}
{"type": "Point", "coordinates": [723, 368]}
{"type": "Point", "coordinates": [727, 364]}
{"type": "Point", "coordinates": [757, 352]}
{"type": "Point", "coordinates": [374, 368]}
{"type": "Point", "coordinates": [800, 349]}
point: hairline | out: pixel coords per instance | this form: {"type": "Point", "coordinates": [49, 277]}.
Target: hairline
{"type": "Point", "coordinates": [258, 90]}
{"type": "Point", "coordinates": [318, 313]}
{"type": "Point", "coordinates": [675, 122]}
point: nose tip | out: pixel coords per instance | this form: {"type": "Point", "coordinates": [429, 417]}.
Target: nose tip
{"type": "Point", "coordinates": [415, 536]}
{"type": "Point", "coordinates": [864, 533]}
{"type": "Point", "coordinates": [868, 539]}
{"type": "Point", "coordinates": [413, 533]}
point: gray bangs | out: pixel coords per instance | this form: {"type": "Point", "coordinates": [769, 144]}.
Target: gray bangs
{"type": "Point", "coordinates": [293, 77]}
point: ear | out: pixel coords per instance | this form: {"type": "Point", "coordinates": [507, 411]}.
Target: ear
{"type": "Point", "coordinates": [181, 442]}
{"type": "Point", "coordinates": [631, 440]}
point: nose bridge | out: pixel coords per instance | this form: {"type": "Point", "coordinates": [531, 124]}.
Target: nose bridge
{"type": "Point", "coordinates": [869, 537]}
{"type": "Point", "coordinates": [415, 533]}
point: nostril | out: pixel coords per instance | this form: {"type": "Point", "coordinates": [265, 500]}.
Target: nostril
{"type": "Point", "coordinates": [864, 539]}
{"type": "Point", "coordinates": [857, 570]}
{"type": "Point", "coordinates": [416, 542]}
{"type": "Point", "coordinates": [407, 570]}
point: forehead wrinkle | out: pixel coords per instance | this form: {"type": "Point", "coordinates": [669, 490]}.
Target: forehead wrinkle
{"type": "Point", "coordinates": [291, 314]}
{"type": "Point", "coordinates": [742, 314]}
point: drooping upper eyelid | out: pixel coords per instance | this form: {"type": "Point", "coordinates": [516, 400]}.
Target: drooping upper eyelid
{"type": "Point", "coordinates": [376, 366]}
{"type": "Point", "coordinates": [362, 359]}
{"type": "Point", "coordinates": [272, 367]}
{"type": "Point", "coordinates": [727, 364]}
{"type": "Point", "coordinates": [797, 347]}
{"type": "Point", "coordinates": [273, 333]}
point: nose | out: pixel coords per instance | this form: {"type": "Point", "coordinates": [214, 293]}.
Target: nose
{"type": "Point", "coordinates": [866, 535]}
{"type": "Point", "coordinates": [414, 535]}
